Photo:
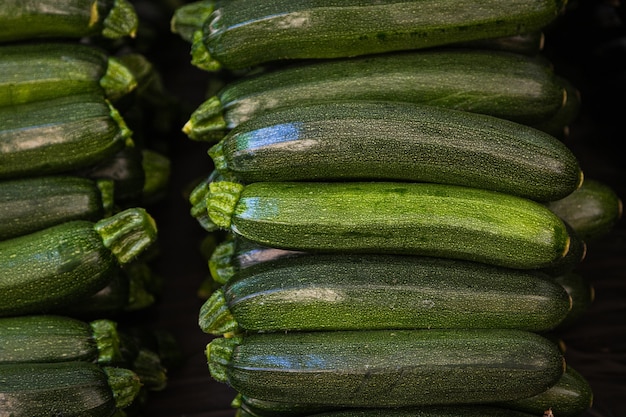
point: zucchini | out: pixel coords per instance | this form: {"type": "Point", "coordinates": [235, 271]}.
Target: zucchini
{"type": "Point", "coordinates": [36, 19]}
{"type": "Point", "coordinates": [397, 141]}
{"type": "Point", "coordinates": [387, 368]}
{"type": "Point", "coordinates": [59, 135]}
{"type": "Point", "coordinates": [576, 253]}
{"type": "Point", "coordinates": [582, 293]}
{"type": "Point", "coordinates": [501, 84]}
{"type": "Point", "coordinates": [62, 264]}
{"type": "Point", "coordinates": [354, 292]}
{"type": "Point", "coordinates": [405, 218]}
{"type": "Point", "coordinates": [592, 210]}
{"type": "Point", "coordinates": [241, 33]}
{"type": "Point", "coordinates": [68, 389]}
{"type": "Point", "coordinates": [46, 70]}
{"type": "Point", "coordinates": [558, 125]}
{"type": "Point", "coordinates": [55, 338]}
{"type": "Point", "coordinates": [31, 204]}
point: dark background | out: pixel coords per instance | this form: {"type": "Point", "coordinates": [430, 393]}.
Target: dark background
{"type": "Point", "coordinates": [587, 45]}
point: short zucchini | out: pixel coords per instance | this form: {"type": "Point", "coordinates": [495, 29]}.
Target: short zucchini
{"type": "Point", "coordinates": [59, 135]}
{"type": "Point", "coordinates": [501, 84]}
{"type": "Point", "coordinates": [46, 70]}
{"type": "Point", "coordinates": [62, 264]}
{"type": "Point", "coordinates": [592, 210]}
{"type": "Point", "coordinates": [37, 19]}
{"type": "Point", "coordinates": [354, 292]}
{"type": "Point", "coordinates": [68, 389]}
{"type": "Point", "coordinates": [241, 33]}
{"type": "Point", "coordinates": [398, 141]}
{"type": "Point", "coordinates": [404, 218]}
{"type": "Point", "coordinates": [385, 368]}
{"type": "Point", "coordinates": [31, 204]}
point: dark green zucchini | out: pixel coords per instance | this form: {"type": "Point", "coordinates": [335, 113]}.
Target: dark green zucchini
{"type": "Point", "coordinates": [31, 204]}
{"type": "Point", "coordinates": [501, 84]}
{"type": "Point", "coordinates": [582, 293]}
{"type": "Point", "coordinates": [55, 338]}
{"type": "Point", "coordinates": [396, 141]}
{"type": "Point", "coordinates": [404, 218]}
{"type": "Point", "coordinates": [592, 210]}
{"type": "Point", "coordinates": [354, 292]}
{"type": "Point", "coordinates": [46, 70]}
{"type": "Point", "coordinates": [68, 389]}
{"type": "Point", "coordinates": [37, 19]}
{"type": "Point", "coordinates": [243, 33]}
{"type": "Point", "coordinates": [387, 368]}
{"type": "Point", "coordinates": [558, 125]}
{"type": "Point", "coordinates": [59, 135]}
{"type": "Point", "coordinates": [62, 264]}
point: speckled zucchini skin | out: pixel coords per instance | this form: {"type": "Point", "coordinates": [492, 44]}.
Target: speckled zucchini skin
{"type": "Point", "coordinates": [398, 142]}
{"type": "Point", "coordinates": [387, 368]}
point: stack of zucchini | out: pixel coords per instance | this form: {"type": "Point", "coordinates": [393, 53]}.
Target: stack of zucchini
{"type": "Point", "coordinates": [75, 239]}
{"type": "Point", "coordinates": [403, 220]}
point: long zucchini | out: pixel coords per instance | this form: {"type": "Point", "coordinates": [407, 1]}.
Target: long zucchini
{"type": "Point", "coordinates": [506, 85]}
{"type": "Point", "coordinates": [31, 204]}
{"type": "Point", "coordinates": [397, 141]}
{"type": "Point", "coordinates": [68, 389]}
{"type": "Point", "coordinates": [36, 19]}
{"type": "Point", "coordinates": [405, 218]}
{"type": "Point", "coordinates": [353, 292]}
{"type": "Point", "coordinates": [59, 135]}
{"type": "Point", "coordinates": [62, 264]}
{"type": "Point", "coordinates": [46, 70]}
{"type": "Point", "coordinates": [387, 368]}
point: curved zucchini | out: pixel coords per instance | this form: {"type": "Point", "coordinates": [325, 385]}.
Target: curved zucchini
{"type": "Point", "coordinates": [403, 218]}
{"type": "Point", "coordinates": [501, 84]}
{"type": "Point", "coordinates": [36, 19]}
{"type": "Point", "coordinates": [242, 33]}
{"type": "Point", "coordinates": [592, 210]}
{"type": "Point", "coordinates": [55, 338]}
{"type": "Point", "coordinates": [46, 70]}
{"type": "Point", "coordinates": [59, 135]}
{"type": "Point", "coordinates": [68, 389]}
{"type": "Point", "coordinates": [31, 204]}
{"type": "Point", "coordinates": [398, 142]}
{"type": "Point", "coordinates": [385, 368]}
{"type": "Point", "coordinates": [353, 292]}
{"type": "Point", "coordinates": [62, 264]}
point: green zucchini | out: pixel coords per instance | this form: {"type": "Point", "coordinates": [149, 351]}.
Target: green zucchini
{"type": "Point", "coordinates": [31, 204]}
{"type": "Point", "coordinates": [68, 389]}
{"type": "Point", "coordinates": [46, 70]}
{"type": "Point", "coordinates": [558, 125]}
{"type": "Point", "coordinates": [241, 33]}
{"type": "Point", "coordinates": [592, 210]}
{"type": "Point", "coordinates": [59, 135]}
{"type": "Point", "coordinates": [62, 264]}
{"type": "Point", "coordinates": [55, 338]}
{"type": "Point", "coordinates": [37, 19]}
{"type": "Point", "coordinates": [501, 84]}
{"type": "Point", "coordinates": [581, 292]}
{"type": "Point", "coordinates": [387, 368]}
{"type": "Point", "coordinates": [404, 218]}
{"type": "Point", "coordinates": [396, 141]}
{"type": "Point", "coordinates": [355, 292]}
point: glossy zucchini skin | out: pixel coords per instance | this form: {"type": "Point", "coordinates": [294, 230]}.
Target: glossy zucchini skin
{"type": "Point", "coordinates": [501, 84]}
{"type": "Point", "coordinates": [59, 135]}
{"type": "Point", "coordinates": [403, 218]}
{"type": "Point", "coordinates": [242, 33]}
{"type": "Point", "coordinates": [36, 19]}
{"type": "Point", "coordinates": [31, 204]}
{"type": "Point", "coordinates": [353, 292]}
{"type": "Point", "coordinates": [592, 210]}
{"type": "Point", "coordinates": [396, 141]}
{"type": "Point", "coordinates": [387, 368]}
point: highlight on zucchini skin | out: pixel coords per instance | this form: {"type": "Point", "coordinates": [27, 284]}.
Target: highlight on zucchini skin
{"type": "Point", "coordinates": [387, 368]}
{"type": "Point", "coordinates": [452, 222]}
{"type": "Point", "coordinates": [242, 34]}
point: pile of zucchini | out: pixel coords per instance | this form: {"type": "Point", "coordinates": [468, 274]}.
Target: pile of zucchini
{"type": "Point", "coordinates": [75, 238]}
{"type": "Point", "coordinates": [399, 217]}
